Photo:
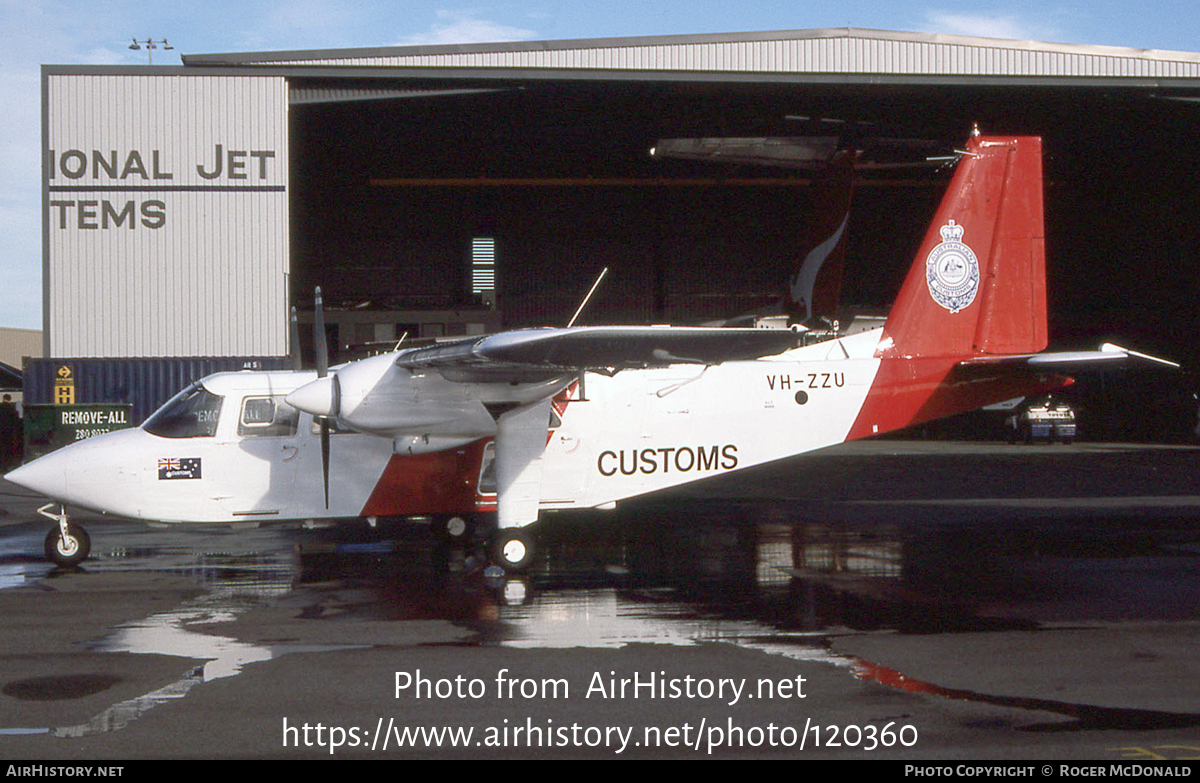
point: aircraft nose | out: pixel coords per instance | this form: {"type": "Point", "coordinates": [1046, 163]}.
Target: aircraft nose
{"type": "Point", "coordinates": [76, 472]}
{"type": "Point", "coordinates": [45, 476]}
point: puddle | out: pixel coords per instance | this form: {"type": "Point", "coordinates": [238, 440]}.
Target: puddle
{"type": "Point", "coordinates": [21, 560]}
{"type": "Point", "coordinates": [238, 579]}
{"type": "Point", "coordinates": [121, 715]}
{"type": "Point", "coordinates": [172, 633]}
{"type": "Point", "coordinates": [22, 574]}
{"type": "Point", "coordinates": [168, 633]}
{"type": "Point", "coordinates": [665, 578]}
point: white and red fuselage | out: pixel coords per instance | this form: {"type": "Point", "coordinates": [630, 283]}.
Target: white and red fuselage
{"type": "Point", "coordinates": [636, 432]}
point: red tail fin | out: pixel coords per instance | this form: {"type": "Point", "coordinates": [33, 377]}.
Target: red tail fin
{"type": "Point", "coordinates": [978, 285]}
{"type": "Point", "coordinates": [977, 289]}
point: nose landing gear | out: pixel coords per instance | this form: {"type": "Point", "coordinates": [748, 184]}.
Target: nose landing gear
{"type": "Point", "coordinates": [67, 544]}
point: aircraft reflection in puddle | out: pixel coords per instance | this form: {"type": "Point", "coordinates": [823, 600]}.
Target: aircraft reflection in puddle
{"type": "Point", "coordinates": [721, 572]}
{"type": "Point", "coordinates": [727, 562]}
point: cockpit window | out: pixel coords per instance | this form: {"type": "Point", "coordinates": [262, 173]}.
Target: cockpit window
{"type": "Point", "coordinates": [267, 416]}
{"type": "Point", "coordinates": [193, 413]}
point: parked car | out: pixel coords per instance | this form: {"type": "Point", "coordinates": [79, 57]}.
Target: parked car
{"type": "Point", "coordinates": [1042, 419]}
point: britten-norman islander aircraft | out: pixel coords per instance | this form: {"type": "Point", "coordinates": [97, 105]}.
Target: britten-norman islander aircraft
{"type": "Point", "coordinates": [511, 424]}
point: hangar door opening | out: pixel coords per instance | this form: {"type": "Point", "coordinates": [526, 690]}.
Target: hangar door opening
{"type": "Point", "coordinates": [391, 195]}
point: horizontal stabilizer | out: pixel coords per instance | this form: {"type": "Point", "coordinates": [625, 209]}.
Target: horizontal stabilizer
{"type": "Point", "coordinates": [1108, 353]}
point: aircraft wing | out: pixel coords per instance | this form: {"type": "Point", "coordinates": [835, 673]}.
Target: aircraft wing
{"type": "Point", "coordinates": [527, 354]}
{"type": "Point", "coordinates": [804, 152]}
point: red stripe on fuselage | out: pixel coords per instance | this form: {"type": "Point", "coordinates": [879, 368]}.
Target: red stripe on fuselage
{"type": "Point", "coordinates": [442, 482]}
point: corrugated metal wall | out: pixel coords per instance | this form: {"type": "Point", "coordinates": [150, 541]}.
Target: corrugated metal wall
{"type": "Point", "coordinates": [166, 215]}
{"type": "Point", "coordinates": [816, 51]}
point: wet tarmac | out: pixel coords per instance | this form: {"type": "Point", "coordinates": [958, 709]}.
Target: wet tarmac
{"type": "Point", "coordinates": [885, 599]}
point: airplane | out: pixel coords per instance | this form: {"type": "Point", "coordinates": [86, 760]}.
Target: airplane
{"type": "Point", "coordinates": [497, 429]}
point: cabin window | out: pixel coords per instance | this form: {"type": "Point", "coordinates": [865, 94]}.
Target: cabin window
{"type": "Point", "coordinates": [267, 417]}
{"type": "Point", "coordinates": [193, 413]}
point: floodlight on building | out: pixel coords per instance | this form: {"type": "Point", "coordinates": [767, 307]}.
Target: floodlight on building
{"type": "Point", "coordinates": [150, 45]}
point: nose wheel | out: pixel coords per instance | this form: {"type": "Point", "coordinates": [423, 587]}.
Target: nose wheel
{"type": "Point", "coordinates": [67, 544]}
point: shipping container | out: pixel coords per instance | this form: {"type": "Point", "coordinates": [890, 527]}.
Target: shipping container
{"type": "Point", "coordinates": [144, 383]}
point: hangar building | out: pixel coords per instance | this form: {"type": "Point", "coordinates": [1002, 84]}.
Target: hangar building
{"type": "Point", "coordinates": [448, 190]}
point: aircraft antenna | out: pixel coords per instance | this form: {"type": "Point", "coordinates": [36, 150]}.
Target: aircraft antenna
{"type": "Point", "coordinates": [583, 304]}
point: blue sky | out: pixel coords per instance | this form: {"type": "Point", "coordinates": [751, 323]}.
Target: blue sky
{"type": "Point", "coordinates": [77, 32]}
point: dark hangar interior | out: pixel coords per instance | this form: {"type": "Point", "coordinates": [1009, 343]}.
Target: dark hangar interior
{"type": "Point", "coordinates": [387, 195]}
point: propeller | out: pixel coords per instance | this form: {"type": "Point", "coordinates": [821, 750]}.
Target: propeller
{"type": "Point", "coordinates": [321, 397]}
{"type": "Point", "coordinates": [322, 352]}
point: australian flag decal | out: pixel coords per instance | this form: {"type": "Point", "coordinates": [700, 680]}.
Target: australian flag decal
{"type": "Point", "coordinates": [178, 468]}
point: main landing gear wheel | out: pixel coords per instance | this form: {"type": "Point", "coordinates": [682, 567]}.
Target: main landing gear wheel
{"type": "Point", "coordinates": [453, 528]}
{"type": "Point", "coordinates": [69, 548]}
{"type": "Point", "coordinates": [512, 549]}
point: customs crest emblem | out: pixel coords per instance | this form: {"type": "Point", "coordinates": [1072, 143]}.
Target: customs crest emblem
{"type": "Point", "coordinates": [952, 270]}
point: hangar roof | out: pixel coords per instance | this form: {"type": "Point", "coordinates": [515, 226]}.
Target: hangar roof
{"type": "Point", "coordinates": [837, 54]}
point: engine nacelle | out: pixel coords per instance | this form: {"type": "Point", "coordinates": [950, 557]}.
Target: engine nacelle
{"type": "Point", "coordinates": [427, 444]}
{"type": "Point", "coordinates": [376, 397]}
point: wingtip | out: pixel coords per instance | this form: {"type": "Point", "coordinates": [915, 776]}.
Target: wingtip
{"type": "Point", "coordinates": [1114, 348]}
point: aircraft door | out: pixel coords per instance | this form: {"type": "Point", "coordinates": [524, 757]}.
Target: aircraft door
{"type": "Point", "coordinates": [271, 445]}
